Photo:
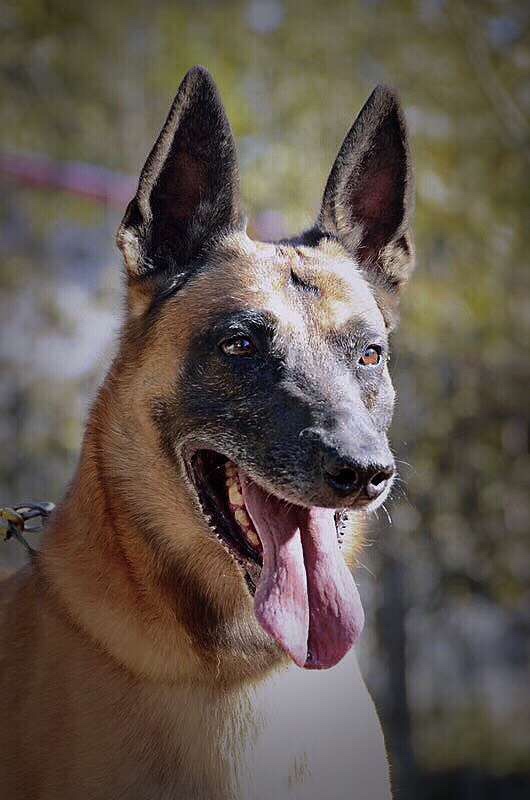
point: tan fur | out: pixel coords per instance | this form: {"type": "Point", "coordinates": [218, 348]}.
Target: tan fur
{"type": "Point", "coordinates": [132, 663]}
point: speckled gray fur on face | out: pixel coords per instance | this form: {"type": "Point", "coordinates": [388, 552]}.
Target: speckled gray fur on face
{"type": "Point", "coordinates": [337, 292]}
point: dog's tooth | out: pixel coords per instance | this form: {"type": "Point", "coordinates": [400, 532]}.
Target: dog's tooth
{"type": "Point", "coordinates": [242, 517]}
{"type": "Point", "coordinates": [234, 495]}
{"type": "Point", "coordinates": [253, 538]}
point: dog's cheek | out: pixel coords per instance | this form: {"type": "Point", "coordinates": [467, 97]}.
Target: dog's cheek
{"type": "Point", "coordinates": [380, 403]}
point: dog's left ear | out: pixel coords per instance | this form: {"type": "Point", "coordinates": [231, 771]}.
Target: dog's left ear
{"type": "Point", "coordinates": [188, 191]}
{"type": "Point", "coordinates": [369, 197]}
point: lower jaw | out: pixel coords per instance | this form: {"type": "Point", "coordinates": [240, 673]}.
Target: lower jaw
{"type": "Point", "coordinates": [304, 595]}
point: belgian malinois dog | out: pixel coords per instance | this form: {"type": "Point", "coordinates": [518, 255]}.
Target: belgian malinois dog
{"type": "Point", "coordinates": [186, 629]}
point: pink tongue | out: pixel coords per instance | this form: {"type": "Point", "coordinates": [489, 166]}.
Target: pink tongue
{"type": "Point", "coordinates": [306, 598]}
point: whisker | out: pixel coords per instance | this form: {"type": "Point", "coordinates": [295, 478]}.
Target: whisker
{"type": "Point", "coordinates": [389, 518]}
{"type": "Point", "coordinates": [369, 571]}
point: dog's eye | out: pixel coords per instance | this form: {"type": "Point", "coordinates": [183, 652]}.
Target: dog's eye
{"type": "Point", "coordinates": [371, 356]}
{"type": "Point", "coordinates": [238, 346]}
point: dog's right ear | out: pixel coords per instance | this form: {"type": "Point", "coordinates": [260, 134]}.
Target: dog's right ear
{"type": "Point", "coordinates": [188, 191]}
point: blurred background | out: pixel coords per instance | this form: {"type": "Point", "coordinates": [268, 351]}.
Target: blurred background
{"type": "Point", "coordinates": [445, 576]}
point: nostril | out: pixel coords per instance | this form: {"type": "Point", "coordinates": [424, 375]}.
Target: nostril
{"type": "Point", "coordinates": [346, 477]}
{"type": "Point", "coordinates": [379, 477]}
{"type": "Point", "coordinates": [341, 479]}
{"type": "Point", "coordinates": [377, 481]}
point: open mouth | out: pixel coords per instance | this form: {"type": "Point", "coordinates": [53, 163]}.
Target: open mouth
{"type": "Point", "coordinates": [218, 487]}
{"type": "Point", "coordinates": [304, 594]}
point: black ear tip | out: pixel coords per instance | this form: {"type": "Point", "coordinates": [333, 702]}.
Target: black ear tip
{"type": "Point", "coordinates": [198, 75]}
{"type": "Point", "coordinates": [198, 86]}
{"type": "Point", "coordinates": [385, 98]}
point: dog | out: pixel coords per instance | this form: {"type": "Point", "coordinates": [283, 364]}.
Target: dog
{"type": "Point", "coordinates": [186, 629]}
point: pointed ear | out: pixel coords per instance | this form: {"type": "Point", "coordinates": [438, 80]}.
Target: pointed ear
{"type": "Point", "coordinates": [369, 197]}
{"type": "Point", "coordinates": [188, 190]}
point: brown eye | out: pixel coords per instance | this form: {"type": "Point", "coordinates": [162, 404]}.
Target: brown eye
{"type": "Point", "coordinates": [371, 356]}
{"type": "Point", "coordinates": [238, 346]}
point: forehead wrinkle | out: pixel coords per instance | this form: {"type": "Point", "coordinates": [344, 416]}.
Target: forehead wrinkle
{"type": "Point", "coordinates": [250, 281]}
{"type": "Point", "coordinates": [334, 310]}
{"type": "Point", "coordinates": [262, 280]}
{"type": "Point", "coordinates": [245, 274]}
{"type": "Point", "coordinates": [333, 278]}
{"type": "Point", "coordinates": [342, 290]}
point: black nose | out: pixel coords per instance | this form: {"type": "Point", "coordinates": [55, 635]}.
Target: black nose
{"type": "Point", "coordinates": [346, 477]}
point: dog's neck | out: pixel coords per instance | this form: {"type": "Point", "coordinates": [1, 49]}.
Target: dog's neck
{"type": "Point", "coordinates": [119, 555]}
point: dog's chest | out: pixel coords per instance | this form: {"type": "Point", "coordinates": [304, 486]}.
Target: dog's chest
{"type": "Point", "coordinates": [320, 738]}
{"type": "Point", "coordinates": [297, 736]}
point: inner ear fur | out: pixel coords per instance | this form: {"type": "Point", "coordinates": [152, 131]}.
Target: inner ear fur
{"type": "Point", "coordinates": [369, 196]}
{"type": "Point", "coordinates": [188, 191]}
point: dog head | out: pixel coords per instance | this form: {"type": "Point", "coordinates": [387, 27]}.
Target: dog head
{"type": "Point", "coordinates": [265, 364]}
